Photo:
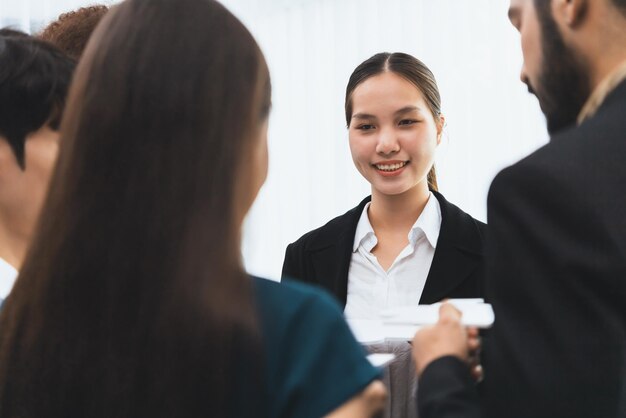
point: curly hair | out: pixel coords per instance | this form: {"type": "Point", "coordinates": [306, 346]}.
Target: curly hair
{"type": "Point", "coordinates": [71, 31]}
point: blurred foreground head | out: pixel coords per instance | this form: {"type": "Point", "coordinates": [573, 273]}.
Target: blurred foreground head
{"type": "Point", "coordinates": [133, 300]}
{"type": "Point", "coordinates": [34, 80]}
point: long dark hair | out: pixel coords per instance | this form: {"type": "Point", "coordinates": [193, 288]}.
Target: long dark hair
{"type": "Point", "coordinates": [411, 69]}
{"type": "Point", "coordinates": [132, 300]}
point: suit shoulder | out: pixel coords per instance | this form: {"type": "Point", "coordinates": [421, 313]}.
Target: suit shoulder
{"type": "Point", "coordinates": [327, 234]}
{"type": "Point", "coordinates": [550, 181]}
{"type": "Point", "coordinates": [481, 226]}
{"type": "Point", "coordinates": [460, 220]}
{"type": "Point", "coordinates": [572, 151]}
{"type": "Point", "coordinates": [469, 219]}
{"type": "Point", "coordinates": [557, 166]}
{"type": "Point", "coordinates": [531, 171]}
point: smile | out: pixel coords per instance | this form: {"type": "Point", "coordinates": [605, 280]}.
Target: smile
{"type": "Point", "coordinates": [390, 167]}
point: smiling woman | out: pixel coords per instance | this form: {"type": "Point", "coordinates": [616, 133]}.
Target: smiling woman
{"type": "Point", "coordinates": [405, 244]}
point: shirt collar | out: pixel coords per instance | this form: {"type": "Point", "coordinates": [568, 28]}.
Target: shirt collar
{"type": "Point", "coordinates": [429, 222]}
{"type": "Point", "coordinates": [606, 86]}
{"type": "Point", "coordinates": [364, 231]}
{"type": "Point", "coordinates": [8, 274]}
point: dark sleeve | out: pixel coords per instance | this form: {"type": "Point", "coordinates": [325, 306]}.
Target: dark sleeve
{"type": "Point", "coordinates": [322, 364]}
{"type": "Point", "coordinates": [557, 345]}
{"type": "Point", "coordinates": [446, 390]}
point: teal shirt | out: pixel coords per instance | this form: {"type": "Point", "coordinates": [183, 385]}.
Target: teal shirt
{"type": "Point", "coordinates": [313, 363]}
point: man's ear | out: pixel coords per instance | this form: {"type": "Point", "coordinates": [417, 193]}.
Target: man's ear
{"type": "Point", "coordinates": [570, 12]}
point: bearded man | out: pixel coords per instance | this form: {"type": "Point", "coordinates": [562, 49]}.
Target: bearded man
{"type": "Point", "coordinates": [556, 255]}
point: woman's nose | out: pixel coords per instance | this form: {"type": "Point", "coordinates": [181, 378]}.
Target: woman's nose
{"type": "Point", "coordinates": [387, 143]}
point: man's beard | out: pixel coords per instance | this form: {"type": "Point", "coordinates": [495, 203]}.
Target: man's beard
{"type": "Point", "coordinates": [563, 85]}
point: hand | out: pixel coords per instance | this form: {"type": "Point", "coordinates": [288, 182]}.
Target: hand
{"type": "Point", "coordinates": [448, 337]}
{"type": "Point", "coordinates": [474, 345]}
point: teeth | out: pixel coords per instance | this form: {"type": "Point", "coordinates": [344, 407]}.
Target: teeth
{"type": "Point", "coordinates": [390, 167]}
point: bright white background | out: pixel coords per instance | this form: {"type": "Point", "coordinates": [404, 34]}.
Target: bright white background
{"type": "Point", "coordinates": [312, 46]}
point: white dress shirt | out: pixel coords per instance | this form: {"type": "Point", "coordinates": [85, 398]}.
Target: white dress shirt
{"type": "Point", "coordinates": [8, 274]}
{"type": "Point", "coordinates": [371, 288]}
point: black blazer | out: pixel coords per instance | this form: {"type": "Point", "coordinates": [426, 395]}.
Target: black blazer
{"type": "Point", "coordinates": [322, 256]}
{"type": "Point", "coordinates": [556, 276]}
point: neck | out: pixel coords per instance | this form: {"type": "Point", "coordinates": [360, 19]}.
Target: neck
{"type": "Point", "coordinates": [605, 67]}
{"type": "Point", "coordinates": [12, 246]}
{"type": "Point", "coordinates": [604, 43]}
{"type": "Point", "coordinates": [398, 212]}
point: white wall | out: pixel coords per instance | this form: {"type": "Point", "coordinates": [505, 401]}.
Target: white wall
{"type": "Point", "coordinates": [312, 46]}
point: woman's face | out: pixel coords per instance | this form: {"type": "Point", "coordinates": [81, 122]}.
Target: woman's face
{"type": "Point", "coordinates": [393, 134]}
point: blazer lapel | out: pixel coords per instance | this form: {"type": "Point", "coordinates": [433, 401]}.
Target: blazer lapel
{"type": "Point", "coordinates": [331, 252]}
{"type": "Point", "coordinates": [458, 253]}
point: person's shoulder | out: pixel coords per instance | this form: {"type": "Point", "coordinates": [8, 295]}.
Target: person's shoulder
{"type": "Point", "coordinates": [459, 219]}
{"type": "Point", "coordinates": [288, 298]}
{"type": "Point", "coordinates": [572, 149]}
{"type": "Point", "coordinates": [533, 170]}
{"type": "Point", "coordinates": [298, 291]}
{"type": "Point", "coordinates": [314, 363]}
{"type": "Point", "coordinates": [554, 175]}
{"type": "Point", "coordinates": [560, 165]}
{"type": "Point", "coordinates": [326, 234]}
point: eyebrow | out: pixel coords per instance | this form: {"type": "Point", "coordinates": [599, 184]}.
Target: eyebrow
{"type": "Point", "coordinates": [363, 116]}
{"type": "Point", "coordinates": [405, 109]}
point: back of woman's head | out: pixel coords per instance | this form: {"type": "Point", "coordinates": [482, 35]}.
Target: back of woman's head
{"type": "Point", "coordinates": [407, 67]}
{"type": "Point", "coordinates": [132, 300]}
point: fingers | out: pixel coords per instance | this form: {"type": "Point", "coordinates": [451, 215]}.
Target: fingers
{"type": "Point", "coordinates": [448, 313]}
{"type": "Point", "coordinates": [472, 332]}
{"type": "Point", "coordinates": [448, 337]}
{"type": "Point", "coordinates": [477, 373]}
{"type": "Point", "coordinates": [474, 342]}
{"type": "Point", "coordinates": [474, 345]}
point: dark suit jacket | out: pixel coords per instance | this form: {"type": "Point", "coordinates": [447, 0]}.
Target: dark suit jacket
{"type": "Point", "coordinates": [556, 276]}
{"type": "Point", "coordinates": [322, 256]}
